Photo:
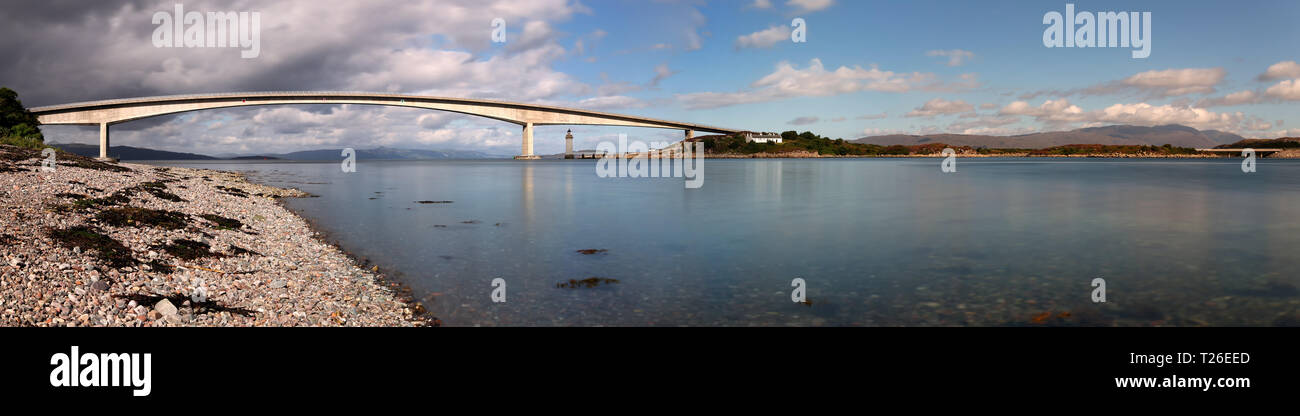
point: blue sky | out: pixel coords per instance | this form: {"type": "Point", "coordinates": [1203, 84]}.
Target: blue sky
{"type": "Point", "coordinates": [1004, 37]}
{"type": "Point", "coordinates": [868, 67]}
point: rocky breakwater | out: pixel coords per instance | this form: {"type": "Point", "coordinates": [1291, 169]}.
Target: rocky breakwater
{"type": "Point", "coordinates": [98, 244]}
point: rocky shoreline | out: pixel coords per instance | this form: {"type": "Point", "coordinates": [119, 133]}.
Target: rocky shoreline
{"type": "Point", "coordinates": [98, 244]}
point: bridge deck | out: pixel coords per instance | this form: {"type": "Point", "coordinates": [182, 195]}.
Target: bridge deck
{"type": "Point", "coordinates": [105, 113]}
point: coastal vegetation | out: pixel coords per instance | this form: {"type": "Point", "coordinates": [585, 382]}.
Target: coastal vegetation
{"type": "Point", "coordinates": [1278, 143]}
{"type": "Point", "coordinates": [808, 142]}
{"type": "Point", "coordinates": [18, 126]}
{"type": "Point", "coordinates": [1101, 149]}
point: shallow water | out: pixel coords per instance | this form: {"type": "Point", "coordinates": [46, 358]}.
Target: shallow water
{"type": "Point", "coordinates": [877, 241]}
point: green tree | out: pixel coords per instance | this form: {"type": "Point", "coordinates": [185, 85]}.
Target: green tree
{"type": "Point", "coordinates": [15, 120]}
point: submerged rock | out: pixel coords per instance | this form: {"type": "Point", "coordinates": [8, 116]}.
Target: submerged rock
{"type": "Point", "coordinates": [587, 283]}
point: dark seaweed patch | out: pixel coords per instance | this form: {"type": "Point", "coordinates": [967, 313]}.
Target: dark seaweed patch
{"type": "Point", "coordinates": [139, 217]}
{"type": "Point", "coordinates": [107, 249]}
{"type": "Point", "coordinates": [159, 190]}
{"type": "Point", "coordinates": [117, 198]}
{"type": "Point", "coordinates": [587, 283]}
{"type": "Point", "coordinates": [223, 223]}
{"type": "Point", "coordinates": [160, 267]}
{"type": "Point", "coordinates": [239, 251]}
{"type": "Point", "coordinates": [232, 191]}
{"type": "Point", "coordinates": [86, 163]}
{"type": "Point", "coordinates": [189, 249]}
{"type": "Point", "coordinates": [179, 299]}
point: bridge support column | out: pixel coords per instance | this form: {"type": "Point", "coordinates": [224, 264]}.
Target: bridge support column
{"type": "Point", "coordinates": [527, 152]}
{"type": "Point", "coordinates": [690, 134]}
{"type": "Point", "coordinates": [103, 141]}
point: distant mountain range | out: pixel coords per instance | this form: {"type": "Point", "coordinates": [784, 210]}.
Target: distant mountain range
{"type": "Point", "coordinates": [128, 152]}
{"type": "Point", "coordinates": [380, 153]}
{"type": "Point", "coordinates": [1173, 134]}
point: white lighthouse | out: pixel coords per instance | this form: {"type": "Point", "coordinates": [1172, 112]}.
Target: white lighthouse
{"type": "Point", "coordinates": [568, 145]}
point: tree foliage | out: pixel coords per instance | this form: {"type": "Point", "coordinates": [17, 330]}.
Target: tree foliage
{"type": "Point", "coordinates": [17, 124]}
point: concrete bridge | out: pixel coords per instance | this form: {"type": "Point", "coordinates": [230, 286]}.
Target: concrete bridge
{"type": "Point", "coordinates": [108, 112]}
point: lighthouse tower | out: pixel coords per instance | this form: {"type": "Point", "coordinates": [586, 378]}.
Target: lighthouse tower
{"type": "Point", "coordinates": [568, 145]}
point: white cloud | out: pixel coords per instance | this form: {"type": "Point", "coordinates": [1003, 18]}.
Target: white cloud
{"type": "Point", "coordinates": [662, 72]}
{"type": "Point", "coordinates": [611, 102]}
{"type": "Point", "coordinates": [1287, 90]}
{"type": "Point", "coordinates": [814, 81]}
{"type": "Point", "coordinates": [1286, 133]}
{"type": "Point", "coordinates": [984, 125]}
{"type": "Point", "coordinates": [873, 116]}
{"type": "Point", "coordinates": [1236, 98]}
{"type": "Point", "coordinates": [761, 4]}
{"type": "Point", "coordinates": [875, 131]}
{"type": "Point", "coordinates": [1060, 112]}
{"type": "Point", "coordinates": [1051, 111]}
{"type": "Point", "coordinates": [956, 57]}
{"type": "Point", "coordinates": [1152, 84]}
{"type": "Point", "coordinates": [1281, 70]}
{"type": "Point", "coordinates": [804, 6]}
{"type": "Point", "coordinates": [1175, 82]}
{"type": "Point", "coordinates": [801, 121]}
{"type": "Point", "coordinates": [939, 106]}
{"type": "Point", "coordinates": [764, 38]}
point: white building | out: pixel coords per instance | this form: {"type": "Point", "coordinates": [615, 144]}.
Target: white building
{"type": "Point", "coordinates": [762, 137]}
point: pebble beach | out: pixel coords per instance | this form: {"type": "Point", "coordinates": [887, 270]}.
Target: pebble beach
{"type": "Point", "coordinates": [109, 244]}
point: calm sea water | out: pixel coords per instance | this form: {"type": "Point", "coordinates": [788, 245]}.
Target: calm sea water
{"type": "Point", "coordinates": [877, 241]}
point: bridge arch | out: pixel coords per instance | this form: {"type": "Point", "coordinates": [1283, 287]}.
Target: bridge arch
{"type": "Point", "coordinates": [108, 112]}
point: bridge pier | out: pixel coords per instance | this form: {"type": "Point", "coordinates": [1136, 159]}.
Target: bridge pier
{"type": "Point", "coordinates": [527, 152]}
{"type": "Point", "coordinates": [690, 134]}
{"type": "Point", "coordinates": [103, 141]}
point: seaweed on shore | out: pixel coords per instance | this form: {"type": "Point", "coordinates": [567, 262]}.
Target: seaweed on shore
{"type": "Point", "coordinates": [180, 299]}
{"type": "Point", "coordinates": [223, 223]}
{"type": "Point", "coordinates": [120, 197]}
{"type": "Point", "coordinates": [433, 202]}
{"type": "Point", "coordinates": [232, 191]}
{"type": "Point", "coordinates": [135, 216]}
{"type": "Point", "coordinates": [116, 198]}
{"type": "Point", "coordinates": [67, 159]}
{"type": "Point", "coordinates": [157, 189]}
{"type": "Point", "coordinates": [189, 249]}
{"type": "Point", "coordinates": [587, 283]}
{"type": "Point", "coordinates": [160, 267]}
{"type": "Point", "coordinates": [17, 154]}
{"type": "Point", "coordinates": [7, 240]}
{"type": "Point", "coordinates": [107, 249]}
{"type": "Point", "coordinates": [239, 251]}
